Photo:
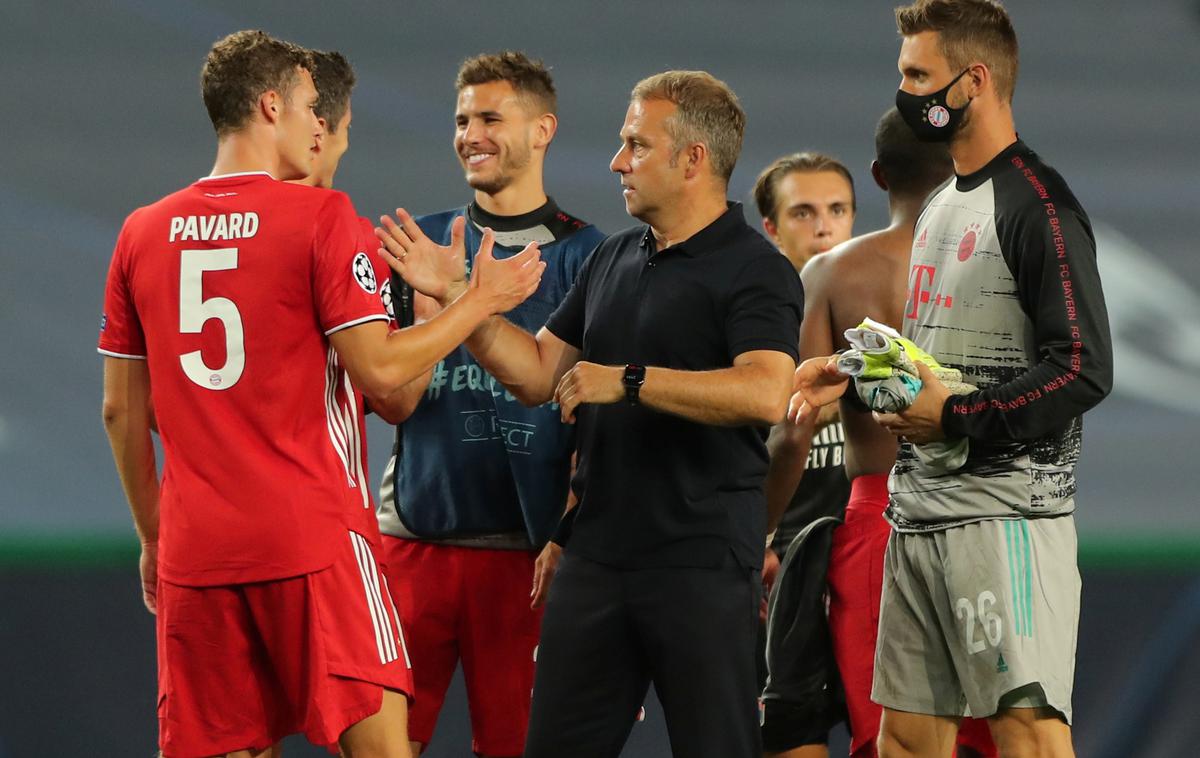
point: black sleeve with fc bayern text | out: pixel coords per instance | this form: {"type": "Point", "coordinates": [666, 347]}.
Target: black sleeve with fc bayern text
{"type": "Point", "coordinates": [1047, 242]}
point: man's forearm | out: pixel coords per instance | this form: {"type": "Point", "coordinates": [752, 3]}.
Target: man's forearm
{"type": "Point", "coordinates": [139, 478]}
{"type": "Point", "coordinates": [788, 447]}
{"type": "Point", "coordinates": [734, 396]}
{"type": "Point", "coordinates": [513, 356]}
{"type": "Point", "coordinates": [126, 417]}
{"type": "Point", "coordinates": [381, 363]}
{"type": "Point", "coordinates": [398, 406]}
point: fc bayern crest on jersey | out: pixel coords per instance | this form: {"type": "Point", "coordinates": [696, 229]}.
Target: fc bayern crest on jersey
{"type": "Point", "coordinates": [364, 273]}
{"type": "Point", "coordinates": [938, 116]}
{"type": "Point", "coordinates": [966, 246]}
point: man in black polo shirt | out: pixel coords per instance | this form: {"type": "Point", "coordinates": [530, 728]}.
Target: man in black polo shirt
{"type": "Point", "coordinates": [674, 353]}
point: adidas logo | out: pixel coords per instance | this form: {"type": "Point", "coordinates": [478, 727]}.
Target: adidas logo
{"type": "Point", "coordinates": [1001, 666]}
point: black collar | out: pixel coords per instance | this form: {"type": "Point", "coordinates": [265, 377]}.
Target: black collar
{"type": "Point", "coordinates": [543, 216]}
{"type": "Point", "coordinates": [968, 182]}
{"type": "Point", "coordinates": [707, 239]}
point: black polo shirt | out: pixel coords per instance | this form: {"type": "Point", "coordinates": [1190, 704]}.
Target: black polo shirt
{"type": "Point", "coordinates": [655, 489]}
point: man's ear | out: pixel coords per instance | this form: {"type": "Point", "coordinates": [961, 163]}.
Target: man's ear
{"type": "Point", "coordinates": [544, 130]}
{"type": "Point", "coordinates": [979, 78]}
{"type": "Point", "coordinates": [877, 175]}
{"type": "Point", "coordinates": [771, 230]}
{"type": "Point", "coordinates": [270, 106]}
{"type": "Point", "coordinates": [696, 155]}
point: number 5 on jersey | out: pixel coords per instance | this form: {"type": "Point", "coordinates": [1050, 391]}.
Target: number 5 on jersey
{"type": "Point", "coordinates": [195, 311]}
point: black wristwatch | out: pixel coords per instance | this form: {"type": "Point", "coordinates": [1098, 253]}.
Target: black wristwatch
{"type": "Point", "coordinates": [635, 377]}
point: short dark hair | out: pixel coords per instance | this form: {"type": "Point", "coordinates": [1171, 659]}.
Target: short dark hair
{"type": "Point", "coordinates": [912, 168]}
{"type": "Point", "coordinates": [529, 78]}
{"type": "Point", "coordinates": [334, 78]}
{"type": "Point", "coordinates": [968, 31]}
{"type": "Point", "coordinates": [240, 68]}
{"type": "Point", "coordinates": [706, 110]}
{"type": "Point", "coordinates": [766, 187]}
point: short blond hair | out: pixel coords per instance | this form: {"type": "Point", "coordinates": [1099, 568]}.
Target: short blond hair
{"type": "Point", "coordinates": [708, 112]}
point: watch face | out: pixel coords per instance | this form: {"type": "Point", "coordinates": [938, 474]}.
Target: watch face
{"type": "Point", "coordinates": [634, 376]}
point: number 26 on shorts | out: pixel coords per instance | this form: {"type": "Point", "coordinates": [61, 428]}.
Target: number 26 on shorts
{"type": "Point", "coordinates": [992, 626]}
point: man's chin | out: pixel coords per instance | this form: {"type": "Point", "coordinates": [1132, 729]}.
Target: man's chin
{"type": "Point", "coordinates": [292, 173]}
{"type": "Point", "coordinates": [638, 211]}
{"type": "Point", "coordinates": [488, 185]}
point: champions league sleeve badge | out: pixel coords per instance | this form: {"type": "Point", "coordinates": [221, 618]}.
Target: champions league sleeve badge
{"type": "Point", "coordinates": [385, 295]}
{"type": "Point", "coordinates": [364, 273]}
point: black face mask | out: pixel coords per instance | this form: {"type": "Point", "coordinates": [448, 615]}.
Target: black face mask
{"type": "Point", "coordinates": [930, 118]}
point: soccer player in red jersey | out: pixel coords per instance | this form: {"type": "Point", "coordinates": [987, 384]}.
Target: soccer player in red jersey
{"type": "Point", "coordinates": [250, 306]}
{"type": "Point", "coordinates": [334, 79]}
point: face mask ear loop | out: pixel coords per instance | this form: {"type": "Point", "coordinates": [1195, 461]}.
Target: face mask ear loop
{"type": "Point", "coordinates": [954, 81]}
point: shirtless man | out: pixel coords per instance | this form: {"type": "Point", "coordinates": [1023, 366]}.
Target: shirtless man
{"type": "Point", "coordinates": [867, 276]}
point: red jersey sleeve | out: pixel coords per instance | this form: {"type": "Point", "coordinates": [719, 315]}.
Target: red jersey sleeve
{"type": "Point", "coordinates": [120, 329]}
{"type": "Point", "coordinates": [383, 273]}
{"type": "Point", "coordinates": [345, 286]}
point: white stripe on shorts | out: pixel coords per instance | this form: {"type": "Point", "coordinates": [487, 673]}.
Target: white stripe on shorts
{"type": "Point", "coordinates": [385, 644]}
{"type": "Point", "coordinates": [399, 627]}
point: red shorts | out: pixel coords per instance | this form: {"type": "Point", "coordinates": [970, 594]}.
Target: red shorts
{"type": "Point", "coordinates": [473, 604]}
{"type": "Point", "coordinates": [241, 666]}
{"type": "Point", "coordinates": [855, 586]}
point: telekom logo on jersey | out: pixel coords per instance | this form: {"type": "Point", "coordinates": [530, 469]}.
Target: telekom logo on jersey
{"type": "Point", "coordinates": [921, 290]}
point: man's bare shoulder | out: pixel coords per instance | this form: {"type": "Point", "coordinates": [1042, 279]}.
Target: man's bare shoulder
{"type": "Point", "coordinates": [881, 246]}
{"type": "Point", "coordinates": [861, 260]}
{"type": "Point", "coordinates": [865, 276]}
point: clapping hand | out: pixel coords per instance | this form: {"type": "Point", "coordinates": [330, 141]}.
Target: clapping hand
{"type": "Point", "coordinates": [505, 283]}
{"type": "Point", "coordinates": [438, 271]}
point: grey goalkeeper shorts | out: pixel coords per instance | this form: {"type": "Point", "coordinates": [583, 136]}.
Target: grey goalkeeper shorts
{"type": "Point", "coordinates": [979, 617]}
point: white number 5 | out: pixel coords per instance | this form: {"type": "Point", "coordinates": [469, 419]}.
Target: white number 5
{"type": "Point", "coordinates": [194, 311]}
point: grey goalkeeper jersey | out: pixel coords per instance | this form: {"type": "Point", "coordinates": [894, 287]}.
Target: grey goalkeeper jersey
{"type": "Point", "coordinates": [1003, 286]}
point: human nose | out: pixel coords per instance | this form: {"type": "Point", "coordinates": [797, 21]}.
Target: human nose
{"type": "Point", "coordinates": [473, 132]}
{"type": "Point", "coordinates": [619, 163]}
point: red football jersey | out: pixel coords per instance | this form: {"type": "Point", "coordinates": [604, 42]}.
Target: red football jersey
{"type": "Point", "coordinates": [369, 244]}
{"type": "Point", "coordinates": [229, 289]}
{"type": "Point", "coordinates": [383, 272]}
